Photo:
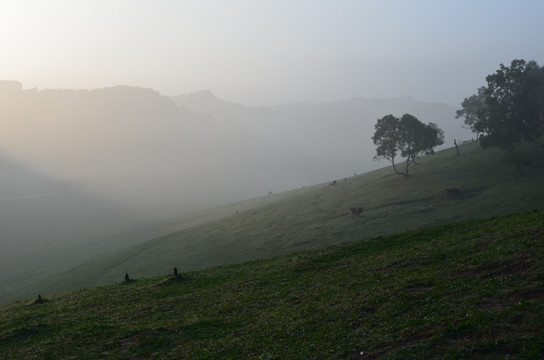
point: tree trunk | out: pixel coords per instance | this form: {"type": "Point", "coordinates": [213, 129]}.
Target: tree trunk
{"type": "Point", "coordinates": [395, 168]}
{"type": "Point", "coordinates": [408, 162]}
{"type": "Point", "coordinates": [456, 147]}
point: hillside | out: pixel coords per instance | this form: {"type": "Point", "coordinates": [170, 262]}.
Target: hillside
{"type": "Point", "coordinates": [472, 289]}
{"type": "Point", "coordinates": [41, 215]}
{"type": "Point", "coordinates": [318, 216]}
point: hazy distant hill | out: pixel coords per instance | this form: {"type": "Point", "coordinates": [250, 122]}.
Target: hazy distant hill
{"type": "Point", "coordinates": [93, 164]}
{"type": "Point", "coordinates": [139, 148]}
{"type": "Point", "coordinates": [166, 157]}
{"type": "Point", "coordinates": [17, 182]}
{"type": "Point", "coordinates": [41, 215]}
{"type": "Point", "coordinates": [339, 133]}
{"type": "Point", "coordinates": [150, 159]}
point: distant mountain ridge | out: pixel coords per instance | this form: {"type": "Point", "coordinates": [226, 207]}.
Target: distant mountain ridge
{"type": "Point", "coordinates": [120, 136]}
{"type": "Point", "coordinates": [337, 132]}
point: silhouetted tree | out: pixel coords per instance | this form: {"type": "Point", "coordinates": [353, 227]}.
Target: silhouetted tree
{"type": "Point", "coordinates": [412, 135]}
{"type": "Point", "coordinates": [456, 147]}
{"type": "Point", "coordinates": [511, 108]}
{"type": "Point", "coordinates": [407, 137]}
{"type": "Point", "coordinates": [473, 108]}
{"type": "Point", "coordinates": [387, 139]}
{"type": "Point", "coordinates": [434, 136]}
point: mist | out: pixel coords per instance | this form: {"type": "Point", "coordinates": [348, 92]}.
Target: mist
{"type": "Point", "coordinates": [337, 133]}
{"type": "Point", "coordinates": [107, 129]}
{"type": "Point", "coordinates": [81, 166]}
{"type": "Point", "coordinates": [134, 143]}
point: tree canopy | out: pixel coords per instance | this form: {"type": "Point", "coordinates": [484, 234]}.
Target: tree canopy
{"type": "Point", "coordinates": [407, 137]}
{"type": "Point", "coordinates": [472, 110]}
{"type": "Point", "coordinates": [433, 137]}
{"type": "Point", "coordinates": [509, 109]}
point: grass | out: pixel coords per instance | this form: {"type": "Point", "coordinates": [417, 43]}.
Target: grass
{"type": "Point", "coordinates": [319, 216]}
{"type": "Point", "coordinates": [472, 289]}
{"type": "Point", "coordinates": [306, 218]}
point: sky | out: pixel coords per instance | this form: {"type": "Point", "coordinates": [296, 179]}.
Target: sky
{"type": "Point", "coordinates": [269, 52]}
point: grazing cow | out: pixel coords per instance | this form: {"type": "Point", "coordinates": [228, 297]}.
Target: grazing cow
{"type": "Point", "coordinates": [453, 192]}
{"type": "Point", "coordinates": [332, 183]}
{"type": "Point", "coordinates": [355, 211]}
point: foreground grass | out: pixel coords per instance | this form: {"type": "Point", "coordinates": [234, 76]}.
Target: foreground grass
{"type": "Point", "coordinates": [473, 289]}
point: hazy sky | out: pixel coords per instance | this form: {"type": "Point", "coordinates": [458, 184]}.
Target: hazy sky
{"type": "Point", "coordinates": [268, 52]}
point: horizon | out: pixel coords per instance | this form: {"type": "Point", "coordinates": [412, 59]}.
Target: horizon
{"type": "Point", "coordinates": [261, 54]}
{"type": "Point", "coordinates": [212, 93]}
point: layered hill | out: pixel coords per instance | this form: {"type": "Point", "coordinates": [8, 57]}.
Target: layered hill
{"type": "Point", "coordinates": [139, 148]}
{"type": "Point", "coordinates": [93, 165]}
{"type": "Point", "coordinates": [338, 132]}
{"type": "Point", "coordinates": [40, 214]}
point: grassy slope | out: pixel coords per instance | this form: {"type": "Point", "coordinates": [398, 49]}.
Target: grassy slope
{"type": "Point", "coordinates": [473, 289]}
{"type": "Point", "coordinates": [301, 219]}
{"type": "Point", "coordinates": [43, 273]}
{"type": "Point", "coordinates": [318, 216]}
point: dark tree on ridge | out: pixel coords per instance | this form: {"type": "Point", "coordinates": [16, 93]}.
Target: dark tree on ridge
{"type": "Point", "coordinates": [509, 109]}
{"type": "Point", "coordinates": [473, 108]}
{"type": "Point", "coordinates": [387, 139]}
{"type": "Point", "coordinates": [434, 136]}
{"type": "Point", "coordinates": [407, 137]}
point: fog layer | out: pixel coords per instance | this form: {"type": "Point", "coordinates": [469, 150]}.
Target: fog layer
{"type": "Point", "coordinates": [91, 163]}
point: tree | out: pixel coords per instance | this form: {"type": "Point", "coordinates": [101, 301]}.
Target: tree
{"type": "Point", "coordinates": [407, 137]}
{"type": "Point", "coordinates": [412, 134]}
{"type": "Point", "coordinates": [387, 139]}
{"type": "Point", "coordinates": [510, 109]}
{"type": "Point", "coordinates": [434, 136]}
{"type": "Point", "coordinates": [473, 109]}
